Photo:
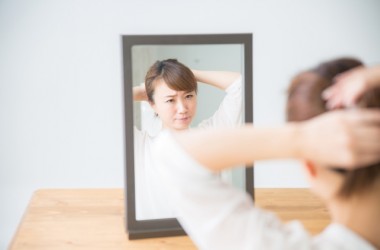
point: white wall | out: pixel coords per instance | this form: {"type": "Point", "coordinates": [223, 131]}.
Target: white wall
{"type": "Point", "coordinates": [61, 78]}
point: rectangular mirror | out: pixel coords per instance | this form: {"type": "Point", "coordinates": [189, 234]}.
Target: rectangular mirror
{"type": "Point", "coordinates": [148, 213]}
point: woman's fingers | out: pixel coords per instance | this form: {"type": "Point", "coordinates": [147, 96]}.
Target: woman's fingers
{"type": "Point", "coordinates": [361, 133]}
{"type": "Point", "coordinates": [348, 88]}
{"type": "Point", "coordinates": [346, 135]}
{"type": "Point", "coordinates": [366, 145]}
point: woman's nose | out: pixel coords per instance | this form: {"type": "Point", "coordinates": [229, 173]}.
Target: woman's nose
{"type": "Point", "coordinates": [181, 107]}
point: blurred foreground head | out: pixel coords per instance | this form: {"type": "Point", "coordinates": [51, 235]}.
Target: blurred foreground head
{"type": "Point", "coordinates": [305, 102]}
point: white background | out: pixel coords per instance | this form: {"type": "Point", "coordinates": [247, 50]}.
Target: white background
{"type": "Point", "coordinates": [61, 79]}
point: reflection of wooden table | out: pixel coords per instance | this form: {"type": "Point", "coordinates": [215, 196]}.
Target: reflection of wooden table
{"type": "Point", "coordinates": [94, 219]}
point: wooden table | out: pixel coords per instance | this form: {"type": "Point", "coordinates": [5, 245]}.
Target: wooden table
{"type": "Point", "coordinates": [94, 219]}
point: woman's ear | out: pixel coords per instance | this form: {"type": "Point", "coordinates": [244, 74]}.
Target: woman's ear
{"type": "Point", "coordinates": [310, 168]}
{"type": "Point", "coordinates": [153, 106]}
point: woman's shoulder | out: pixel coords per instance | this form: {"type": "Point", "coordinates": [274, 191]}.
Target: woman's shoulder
{"type": "Point", "coordinates": [146, 136]}
{"type": "Point", "coordinates": [235, 85]}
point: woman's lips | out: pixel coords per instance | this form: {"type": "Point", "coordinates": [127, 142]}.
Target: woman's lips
{"type": "Point", "coordinates": [183, 119]}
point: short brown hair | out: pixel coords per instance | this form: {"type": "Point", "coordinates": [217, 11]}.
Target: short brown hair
{"type": "Point", "coordinates": [176, 75]}
{"type": "Point", "coordinates": [305, 102]}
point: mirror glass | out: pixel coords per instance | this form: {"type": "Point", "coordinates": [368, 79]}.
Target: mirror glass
{"type": "Point", "coordinates": [147, 209]}
{"type": "Point", "coordinates": [151, 202]}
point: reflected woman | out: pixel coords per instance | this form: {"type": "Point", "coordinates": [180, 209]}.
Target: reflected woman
{"type": "Point", "coordinates": [171, 90]}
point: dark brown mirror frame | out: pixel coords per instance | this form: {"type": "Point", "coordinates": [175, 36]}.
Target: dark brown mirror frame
{"type": "Point", "coordinates": [138, 229]}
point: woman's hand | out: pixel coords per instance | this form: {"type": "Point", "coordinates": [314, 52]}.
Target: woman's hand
{"type": "Point", "coordinates": [350, 86]}
{"type": "Point", "coordinates": [347, 139]}
{"type": "Point", "coordinates": [139, 93]}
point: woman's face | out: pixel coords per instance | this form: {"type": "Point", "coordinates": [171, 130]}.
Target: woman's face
{"type": "Point", "coordinates": [175, 108]}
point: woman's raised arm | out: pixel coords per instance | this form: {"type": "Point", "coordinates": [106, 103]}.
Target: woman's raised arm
{"type": "Point", "coordinates": [219, 79]}
{"type": "Point", "coordinates": [139, 93]}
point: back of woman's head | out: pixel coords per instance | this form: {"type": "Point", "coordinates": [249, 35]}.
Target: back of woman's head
{"type": "Point", "coordinates": [305, 101]}
{"type": "Point", "coordinates": [176, 75]}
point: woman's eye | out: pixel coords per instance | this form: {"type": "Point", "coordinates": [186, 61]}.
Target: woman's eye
{"type": "Point", "coordinates": [170, 100]}
{"type": "Point", "coordinates": [189, 96]}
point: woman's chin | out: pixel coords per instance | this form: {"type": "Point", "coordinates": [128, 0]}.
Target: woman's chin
{"type": "Point", "coordinates": [183, 126]}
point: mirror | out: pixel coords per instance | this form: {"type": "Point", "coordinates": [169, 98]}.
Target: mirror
{"type": "Point", "coordinates": [148, 213]}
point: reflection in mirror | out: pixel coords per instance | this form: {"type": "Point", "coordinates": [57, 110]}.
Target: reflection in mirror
{"type": "Point", "coordinates": [148, 213]}
{"type": "Point", "coordinates": [172, 103]}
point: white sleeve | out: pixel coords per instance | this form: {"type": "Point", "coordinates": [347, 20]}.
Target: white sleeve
{"type": "Point", "coordinates": [230, 111]}
{"type": "Point", "coordinates": [215, 214]}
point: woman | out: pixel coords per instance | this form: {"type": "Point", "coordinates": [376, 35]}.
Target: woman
{"type": "Point", "coordinates": [171, 90]}
{"type": "Point", "coordinates": [217, 216]}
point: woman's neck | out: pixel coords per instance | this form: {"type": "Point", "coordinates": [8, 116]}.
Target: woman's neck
{"type": "Point", "coordinates": [175, 130]}
{"type": "Point", "coordinates": [361, 214]}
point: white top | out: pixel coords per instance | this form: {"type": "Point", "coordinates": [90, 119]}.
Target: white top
{"type": "Point", "coordinates": [218, 216]}
{"type": "Point", "coordinates": [151, 201]}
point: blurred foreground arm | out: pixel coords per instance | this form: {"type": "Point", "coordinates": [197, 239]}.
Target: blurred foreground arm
{"type": "Point", "coordinates": [340, 138]}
